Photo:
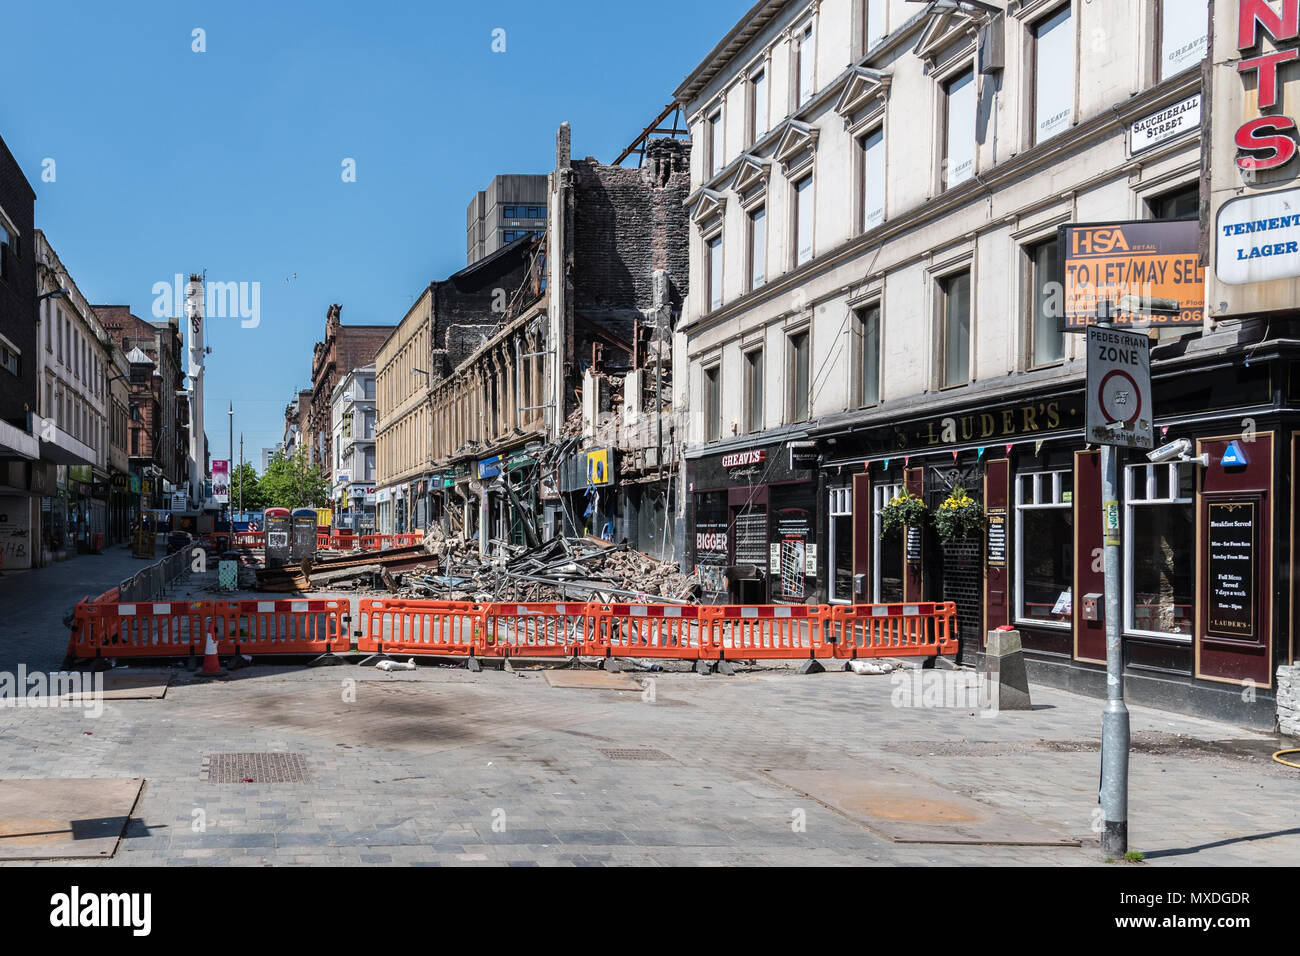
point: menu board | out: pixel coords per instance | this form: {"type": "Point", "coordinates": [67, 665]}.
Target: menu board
{"type": "Point", "coordinates": [913, 545]}
{"type": "Point", "coordinates": [995, 547]}
{"type": "Point", "coordinates": [1230, 589]}
{"type": "Point", "coordinates": [794, 532]}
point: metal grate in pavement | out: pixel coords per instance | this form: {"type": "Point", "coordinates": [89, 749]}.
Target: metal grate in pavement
{"type": "Point", "coordinates": [254, 768]}
{"type": "Point", "coordinates": [643, 753]}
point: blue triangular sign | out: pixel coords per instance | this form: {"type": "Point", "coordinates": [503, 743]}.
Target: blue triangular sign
{"type": "Point", "coordinates": [1233, 456]}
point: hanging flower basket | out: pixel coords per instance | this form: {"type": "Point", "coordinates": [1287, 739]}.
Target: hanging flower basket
{"type": "Point", "coordinates": [903, 510]}
{"type": "Point", "coordinates": [958, 517]}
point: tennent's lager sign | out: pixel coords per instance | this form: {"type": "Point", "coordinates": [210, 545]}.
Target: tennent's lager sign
{"type": "Point", "coordinates": [1132, 273]}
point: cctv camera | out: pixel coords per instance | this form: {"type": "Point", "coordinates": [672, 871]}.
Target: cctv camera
{"type": "Point", "coordinates": [1175, 450]}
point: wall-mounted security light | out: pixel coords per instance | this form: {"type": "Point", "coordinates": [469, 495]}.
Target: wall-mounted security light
{"type": "Point", "coordinates": [1177, 451]}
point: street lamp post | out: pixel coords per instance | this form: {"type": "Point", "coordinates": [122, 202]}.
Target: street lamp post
{"type": "Point", "coordinates": [230, 461]}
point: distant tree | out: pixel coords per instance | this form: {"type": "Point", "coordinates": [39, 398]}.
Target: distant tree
{"type": "Point", "coordinates": [244, 481]}
{"type": "Point", "coordinates": [293, 483]}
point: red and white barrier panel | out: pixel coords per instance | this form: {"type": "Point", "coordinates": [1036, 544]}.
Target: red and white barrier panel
{"type": "Point", "coordinates": [754, 631]}
{"type": "Point", "coordinates": [539, 629]}
{"type": "Point", "coordinates": [648, 630]}
{"type": "Point", "coordinates": [436, 628]}
{"type": "Point", "coordinates": [894, 630]}
{"type": "Point", "coordinates": [153, 629]}
{"type": "Point", "coordinates": [282, 627]}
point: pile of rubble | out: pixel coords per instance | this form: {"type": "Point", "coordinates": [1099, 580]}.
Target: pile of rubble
{"type": "Point", "coordinates": [562, 569]}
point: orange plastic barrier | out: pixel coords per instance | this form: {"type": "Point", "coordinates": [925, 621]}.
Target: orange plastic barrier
{"type": "Point", "coordinates": [154, 629]}
{"type": "Point", "coordinates": [542, 629]}
{"type": "Point", "coordinates": [450, 628]}
{"type": "Point", "coordinates": [648, 630]}
{"type": "Point", "coordinates": [249, 539]}
{"type": "Point", "coordinates": [106, 627]}
{"type": "Point", "coordinates": [282, 627]}
{"type": "Point", "coordinates": [382, 542]}
{"type": "Point", "coordinates": [894, 630]}
{"type": "Point", "coordinates": [753, 631]}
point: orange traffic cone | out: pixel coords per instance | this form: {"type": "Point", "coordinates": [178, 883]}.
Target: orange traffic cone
{"type": "Point", "coordinates": [211, 664]}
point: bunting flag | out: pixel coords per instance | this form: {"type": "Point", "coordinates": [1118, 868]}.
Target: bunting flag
{"type": "Point", "coordinates": [886, 464]}
{"type": "Point", "coordinates": [979, 453]}
{"type": "Point", "coordinates": [1008, 448]}
{"type": "Point", "coordinates": [954, 456]}
{"type": "Point", "coordinates": [1164, 430]}
{"type": "Point", "coordinates": [906, 459]}
{"type": "Point", "coordinates": [1038, 446]}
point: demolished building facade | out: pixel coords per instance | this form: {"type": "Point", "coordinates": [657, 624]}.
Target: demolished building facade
{"type": "Point", "coordinates": [561, 421]}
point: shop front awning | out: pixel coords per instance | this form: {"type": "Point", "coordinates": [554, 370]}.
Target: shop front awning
{"type": "Point", "coordinates": [62, 449]}
{"type": "Point", "coordinates": [16, 443]}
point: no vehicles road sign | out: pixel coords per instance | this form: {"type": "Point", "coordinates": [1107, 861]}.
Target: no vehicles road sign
{"type": "Point", "coordinates": [1119, 388]}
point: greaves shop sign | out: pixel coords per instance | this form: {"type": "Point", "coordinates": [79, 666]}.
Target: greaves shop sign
{"type": "Point", "coordinates": [1268, 140]}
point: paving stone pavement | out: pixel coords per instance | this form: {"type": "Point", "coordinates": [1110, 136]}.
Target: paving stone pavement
{"type": "Point", "coordinates": [445, 767]}
{"type": "Point", "coordinates": [33, 603]}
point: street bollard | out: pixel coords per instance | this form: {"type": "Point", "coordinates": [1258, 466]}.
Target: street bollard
{"type": "Point", "coordinates": [1004, 672]}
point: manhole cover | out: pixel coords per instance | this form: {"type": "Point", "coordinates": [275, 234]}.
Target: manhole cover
{"type": "Point", "coordinates": [254, 768]}
{"type": "Point", "coordinates": [638, 754]}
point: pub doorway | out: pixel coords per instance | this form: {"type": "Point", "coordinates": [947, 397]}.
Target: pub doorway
{"type": "Point", "coordinates": [954, 570]}
{"type": "Point", "coordinates": [748, 571]}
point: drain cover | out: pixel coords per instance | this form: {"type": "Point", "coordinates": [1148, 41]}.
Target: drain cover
{"type": "Point", "coordinates": [639, 754]}
{"type": "Point", "coordinates": [254, 768]}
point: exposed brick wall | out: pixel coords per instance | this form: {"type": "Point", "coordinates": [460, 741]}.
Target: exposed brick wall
{"type": "Point", "coordinates": [628, 223]}
{"type": "Point", "coordinates": [463, 316]}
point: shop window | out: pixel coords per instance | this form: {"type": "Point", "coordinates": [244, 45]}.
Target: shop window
{"type": "Point", "coordinates": [872, 158]}
{"type": "Point", "coordinates": [712, 403]}
{"type": "Point", "coordinates": [954, 309]}
{"type": "Point", "coordinates": [959, 130]}
{"type": "Point", "coordinates": [1045, 548]}
{"type": "Point", "coordinates": [803, 221]}
{"type": "Point", "coordinates": [8, 252]}
{"type": "Point", "coordinates": [715, 272]}
{"type": "Point", "coordinates": [714, 143]}
{"type": "Point", "coordinates": [867, 333]}
{"type": "Point", "coordinates": [754, 390]}
{"type": "Point", "coordinates": [757, 248]}
{"type": "Point", "coordinates": [757, 105]}
{"type": "Point", "coordinates": [799, 359]}
{"type": "Point", "coordinates": [872, 15]}
{"type": "Point", "coordinates": [841, 544]}
{"type": "Point", "coordinates": [1184, 203]}
{"type": "Point", "coordinates": [1053, 74]}
{"type": "Point", "coordinates": [887, 556]}
{"type": "Point", "coordinates": [804, 57]}
{"type": "Point", "coordinates": [1184, 35]}
{"type": "Point", "coordinates": [1160, 549]}
{"type": "Point", "coordinates": [1046, 340]}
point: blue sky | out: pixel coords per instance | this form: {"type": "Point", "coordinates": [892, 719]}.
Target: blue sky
{"type": "Point", "coordinates": [171, 161]}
